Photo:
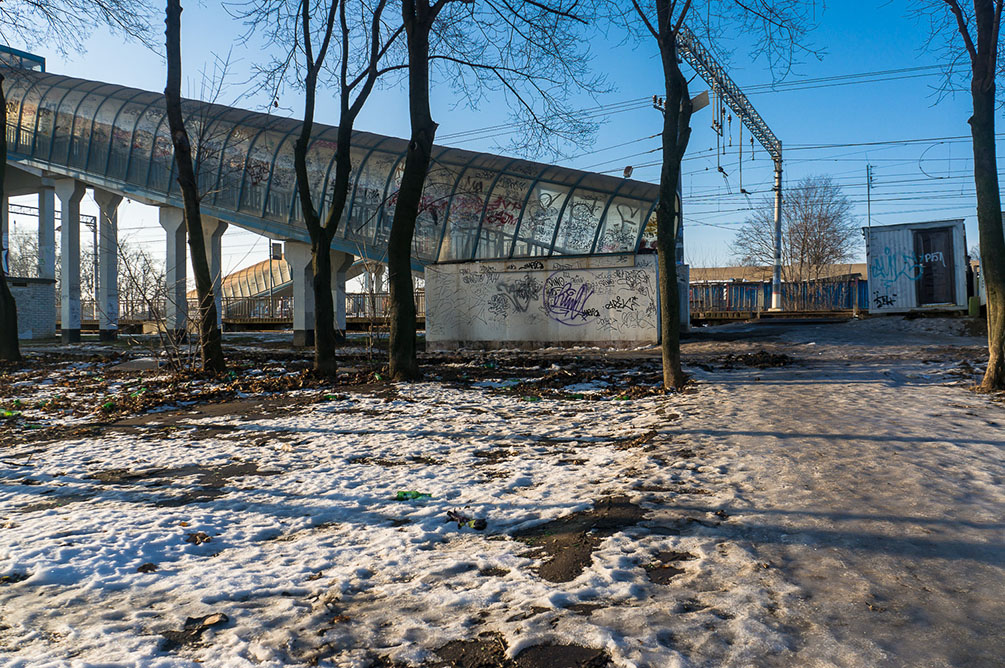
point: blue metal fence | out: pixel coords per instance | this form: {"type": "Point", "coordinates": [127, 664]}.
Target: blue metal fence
{"type": "Point", "coordinates": [755, 296]}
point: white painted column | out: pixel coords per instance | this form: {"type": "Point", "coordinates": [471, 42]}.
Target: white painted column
{"type": "Point", "coordinates": [108, 264]}
{"type": "Point", "coordinates": [70, 192]}
{"type": "Point", "coordinates": [175, 269]}
{"type": "Point", "coordinates": [212, 230]}
{"type": "Point", "coordinates": [298, 256]}
{"type": "Point", "coordinates": [47, 232]}
{"type": "Point", "coordinates": [341, 262]}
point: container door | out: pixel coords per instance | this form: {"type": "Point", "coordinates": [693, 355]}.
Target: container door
{"type": "Point", "coordinates": [933, 250]}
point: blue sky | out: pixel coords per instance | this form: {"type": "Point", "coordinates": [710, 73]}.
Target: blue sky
{"type": "Point", "coordinates": [920, 181]}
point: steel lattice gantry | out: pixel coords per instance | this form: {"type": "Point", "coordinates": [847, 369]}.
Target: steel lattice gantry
{"type": "Point", "coordinates": [475, 205]}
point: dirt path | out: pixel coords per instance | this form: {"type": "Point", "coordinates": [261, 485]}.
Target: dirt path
{"type": "Point", "coordinates": [877, 491]}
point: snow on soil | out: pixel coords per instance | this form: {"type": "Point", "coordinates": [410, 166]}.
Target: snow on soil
{"type": "Point", "coordinates": [842, 511]}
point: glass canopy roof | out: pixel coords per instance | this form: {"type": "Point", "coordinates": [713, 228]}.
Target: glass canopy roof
{"type": "Point", "coordinates": [475, 205]}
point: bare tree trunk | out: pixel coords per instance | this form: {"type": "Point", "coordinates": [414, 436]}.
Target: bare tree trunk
{"type": "Point", "coordinates": [211, 343]}
{"type": "Point", "coordinates": [989, 221]}
{"type": "Point", "coordinates": [9, 347]}
{"type": "Point", "coordinates": [321, 237]}
{"type": "Point", "coordinates": [325, 338]}
{"type": "Point", "coordinates": [325, 341]}
{"type": "Point", "coordinates": [403, 360]}
{"type": "Point", "coordinates": [676, 134]}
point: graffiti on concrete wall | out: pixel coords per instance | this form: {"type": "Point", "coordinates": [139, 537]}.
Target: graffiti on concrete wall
{"type": "Point", "coordinates": [496, 301]}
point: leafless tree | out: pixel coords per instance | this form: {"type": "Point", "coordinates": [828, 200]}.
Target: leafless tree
{"type": "Point", "coordinates": [22, 255]}
{"type": "Point", "coordinates": [307, 31]}
{"type": "Point", "coordinates": [778, 25]}
{"type": "Point", "coordinates": [64, 24]}
{"type": "Point", "coordinates": [533, 53]}
{"type": "Point", "coordinates": [818, 230]}
{"type": "Point", "coordinates": [968, 38]}
{"type": "Point", "coordinates": [210, 339]}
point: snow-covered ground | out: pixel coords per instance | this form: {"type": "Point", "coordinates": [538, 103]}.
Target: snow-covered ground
{"type": "Point", "coordinates": [844, 510]}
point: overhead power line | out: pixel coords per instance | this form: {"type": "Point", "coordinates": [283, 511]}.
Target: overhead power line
{"type": "Point", "coordinates": [635, 104]}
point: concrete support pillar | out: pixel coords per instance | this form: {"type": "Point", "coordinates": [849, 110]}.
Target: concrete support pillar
{"type": "Point", "coordinates": [108, 264]}
{"type": "Point", "coordinates": [341, 262]}
{"type": "Point", "coordinates": [47, 232]}
{"type": "Point", "coordinates": [70, 192]}
{"type": "Point", "coordinates": [176, 264]}
{"type": "Point", "coordinates": [212, 230]}
{"type": "Point", "coordinates": [298, 256]}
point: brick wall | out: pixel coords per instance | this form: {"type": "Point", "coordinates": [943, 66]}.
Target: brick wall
{"type": "Point", "coordinates": [36, 307]}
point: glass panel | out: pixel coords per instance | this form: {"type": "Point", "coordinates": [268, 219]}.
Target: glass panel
{"type": "Point", "coordinates": [80, 142]}
{"type": "Point", "coordinates": [56, 122]}
{"type": "Point", "coordinates": [161, 161]}
{"type": "Point", "coordinates": [369, 196]}
{"type": "Point", "coordinates": [21, 109]}
{"type": "Point", "coordinates": [580, 222]}
{"type": "Point", "coordinates": [648, 243]}
{"type": "Point", "coordinates": [283, 185]}
{"type": "Point", "coordinates": [208, 151]}
{"type": "Point", "coordinates": [321, 157]}
{"type": "Point", "coordinates": [143, 144]}
{"type": "Point", "coordinates": [45, 122]}
{"type": "Point", "coordinates": [386, 214]}
{"type": "Point", "coordinates": [101, 134]}
{"type": "Point", "coordinates": [621, 227]}
{"type": "Point", "coordinates": [256, 174]}
{"type": "Point", "coordinates": [122, 139]}
{"type": "Point", "coordinates": [356, 208]}
{"type": "Point", "coordinates": [465, 214]}
{"type": "Point", "coordinates": [501, 216]}
{"type": "Point", "coordinates": [539, 219]}
{"type": "Point", "coordinates": [429, 224]}
{"type": "Point", "coordinates": [530, 170]}
{"type": "Point", "coordinates": [232, 167]}
{"type": "Point", "coordinates": [123, 136]}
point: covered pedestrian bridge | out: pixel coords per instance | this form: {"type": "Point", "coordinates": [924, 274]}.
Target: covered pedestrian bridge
{"type": "Point", "coordinates": [66, 135]}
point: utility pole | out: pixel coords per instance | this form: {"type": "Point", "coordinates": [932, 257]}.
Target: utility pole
{"type": "Point", "coordinates": [270, 313]}
{"type": "Point", "coordinates": [715, 75]}
{"type": "Point", "coordinates": [868, 195]}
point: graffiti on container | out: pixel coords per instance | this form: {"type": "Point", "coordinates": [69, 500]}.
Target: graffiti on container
{"type": "Point", "coordinates": [565, 299]}
{"type": "Point", "coordinates": [883, 301]}
{"type": "Point", "coordinates": [911, 266]}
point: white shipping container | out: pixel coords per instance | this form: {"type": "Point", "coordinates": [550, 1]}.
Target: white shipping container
{"type": "Point", "coordinates": [917, 266]}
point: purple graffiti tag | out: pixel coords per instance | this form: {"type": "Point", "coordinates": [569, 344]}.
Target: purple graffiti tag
{"type": "Point", "coordinates": [565, 300]}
